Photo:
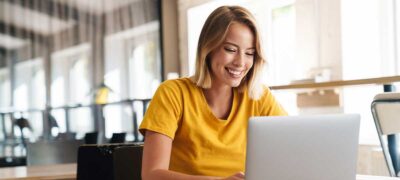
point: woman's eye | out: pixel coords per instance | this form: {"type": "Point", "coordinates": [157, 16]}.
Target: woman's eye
{"type": "Point", "coordinates": [250, 54]}
{"type": "Point", "coordinates": [229, 49]}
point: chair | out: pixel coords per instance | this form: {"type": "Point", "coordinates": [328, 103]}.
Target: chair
{"type": "Point", "coordinates": [53, 124]}
{"type": "Point", "coordinates": [386, 113]}
{"type": "Point", "coordinates": [91, 138]}
{"type": "Point", "coordinates": [118, 138]}
{"type": "Point", "coordinates": [22, 123]}
{"type": "Point", "coordinates": [52, 152]}
{"type": "Point", "coordinates": [66, 136]}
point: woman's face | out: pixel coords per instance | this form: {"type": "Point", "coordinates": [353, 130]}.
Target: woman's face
{"type": "Point", "coordinates": [233, 59]}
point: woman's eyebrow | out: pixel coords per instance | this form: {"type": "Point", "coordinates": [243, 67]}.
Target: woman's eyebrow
{"type": "Point", "coordinates": [230, 43]}
{"type": "Point", "coordinates": [237, 46]}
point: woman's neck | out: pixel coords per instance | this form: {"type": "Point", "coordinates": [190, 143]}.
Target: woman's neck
{"type": "Point", "coordinates": [219, 99]}
{"type": "Point", "coordinates": [219, 91]}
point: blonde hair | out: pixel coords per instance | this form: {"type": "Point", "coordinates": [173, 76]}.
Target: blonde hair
{"type": "Point", "coordinates": [213, 35]}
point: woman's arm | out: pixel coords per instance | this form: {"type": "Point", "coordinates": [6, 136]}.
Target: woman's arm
{"type": "Point", "coordinates": [156, 156]}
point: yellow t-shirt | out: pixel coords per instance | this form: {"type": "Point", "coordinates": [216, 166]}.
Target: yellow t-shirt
{"type": "Point", "coordinates": [203, 144]}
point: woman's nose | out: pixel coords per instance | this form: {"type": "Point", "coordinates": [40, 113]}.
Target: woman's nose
{"type": "Point", "coordinates": [239, 60]}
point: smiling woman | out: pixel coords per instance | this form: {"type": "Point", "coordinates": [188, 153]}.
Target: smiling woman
{"type": "Point", "coordinates": [195, 127]}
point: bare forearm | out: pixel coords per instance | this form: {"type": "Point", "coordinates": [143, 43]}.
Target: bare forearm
{"type": "Point", "coordinates": [167, 175]}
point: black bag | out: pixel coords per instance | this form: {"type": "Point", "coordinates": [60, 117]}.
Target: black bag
{"type": "Point", "coordinates": [110, 162]}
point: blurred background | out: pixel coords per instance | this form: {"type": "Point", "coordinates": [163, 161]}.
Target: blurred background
{"type": "Point", "coordinates": [69, 68]}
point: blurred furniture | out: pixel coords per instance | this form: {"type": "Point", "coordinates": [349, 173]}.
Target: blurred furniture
{"type": "Point", "coordinates": [56, 171]}
{"type": "Point", "coordinates": [318, 98]}
{"type": "Point", "coordinates": [12, 161]}
{"type": "Point", "coordinates": [22, 123]}
{"type": "Point", "coordinates": [110, 161]}
{"type": "Point", "coordinates": [118, 138]}
{"type": "Point", "coordinates": [386, 113]}
{"type": "Point", "coordinates": [52, 152]}
{"type": "Point", "coordinates": [91, 138]}
{"type": "Point", "coordinates": [66, 136]}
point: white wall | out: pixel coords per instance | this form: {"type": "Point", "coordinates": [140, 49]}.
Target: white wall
{"type": "Point", "coordinates": [318, 32]}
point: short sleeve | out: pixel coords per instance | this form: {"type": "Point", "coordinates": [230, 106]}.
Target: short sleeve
{"type": "Point", "coordinates": [165, 110]}
{"type": "Point", "coordinates": [270, 106]}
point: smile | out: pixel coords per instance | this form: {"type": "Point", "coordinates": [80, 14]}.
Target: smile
{"type": "Point", "coordinates": [234, 73]}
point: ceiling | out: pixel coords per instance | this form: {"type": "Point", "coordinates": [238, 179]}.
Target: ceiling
{"type": "Point", "coordinates": [35, 21]}
{"type": "Point", "coordinates": [96, 6]}
{"type": "Point", "coordinates": [42, 18]}
{"type": "Point", "coordinates": [9, 42]}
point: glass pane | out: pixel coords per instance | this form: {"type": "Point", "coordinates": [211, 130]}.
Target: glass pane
{"type": "Point", "coordinates": [119, 119]}
{"type": "Point", "coordinates": [5, 89]}
{"type": "Point", "coordinates": [133, 71]}
{"type": "Point", "coordinates": [29, 92]}
{"type": "Point", "coordinates": [133, 62]}
{"type": "Point", "coordinates": [8, 123]}
{"type": "Point", "coordinates": [81, 121]}
{"type": "Point", "coordinates": [35, 119]}
{"type": "Point", "coordinates": [366, 39]}
{"type": "Point", "coordinates": [144, 67]}
{"type": "Point", "coordinates": [79, 81]}
{"type": "Point", "coordinates": [283, 46]}
{"type": "Point", "coordinates": [2, 127]}
{"type": "Point", "coordinates": [70, 76]}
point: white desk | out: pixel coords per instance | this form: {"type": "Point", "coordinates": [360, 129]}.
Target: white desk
{"type": "Point", "coordinates": [365, 177]}
{"type": "Point", "coordinates": [68, 172]}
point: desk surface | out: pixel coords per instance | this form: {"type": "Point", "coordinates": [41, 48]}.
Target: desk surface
{"type": "Point", "coordinates": [366, 177]}
{"type": "Point", "coordinates": [58, 171]}
{"type": "Point", "coordinates": [68, 172]}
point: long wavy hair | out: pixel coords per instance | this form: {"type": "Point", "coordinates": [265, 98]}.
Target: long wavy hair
{"type": "Point", "coordinates": [213, 34]}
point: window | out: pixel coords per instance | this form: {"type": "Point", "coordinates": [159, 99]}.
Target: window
{"type": "Point", "coordinates": [29, 93]}
{"type": "Point", "coordinates": [29, 89]}
{"type": "Point", "coordinates": [144, 62]}
{"type": "Point", "coordinates": [282, 50]}
{"type": "Point", "coordinates": [283, 39]}
{"type": "Point", "coordinates": [133, 71]}
{"type": "Point", "coordinates": [368, 45]}
{"type": "Point", "coordinates": [5, 88]}
{"type": "Point", "coordinates": [70, 85]}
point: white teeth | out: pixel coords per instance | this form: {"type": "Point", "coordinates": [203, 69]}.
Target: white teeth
{"type": "Point", "coordinates": [234, 72]}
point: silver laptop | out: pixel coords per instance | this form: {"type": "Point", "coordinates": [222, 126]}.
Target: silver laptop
{"type": "Point", "coordinates": [319, 147]}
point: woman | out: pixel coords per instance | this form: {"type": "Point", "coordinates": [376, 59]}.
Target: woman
{"type": "Point", "coordinates": [195, 128]}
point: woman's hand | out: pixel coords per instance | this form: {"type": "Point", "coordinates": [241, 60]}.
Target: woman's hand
{"type": "Point", "coordinates": [236, 176]}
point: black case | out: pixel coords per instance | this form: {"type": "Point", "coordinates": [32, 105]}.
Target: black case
{"type": "Point", "coordinates": [110, 162]}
